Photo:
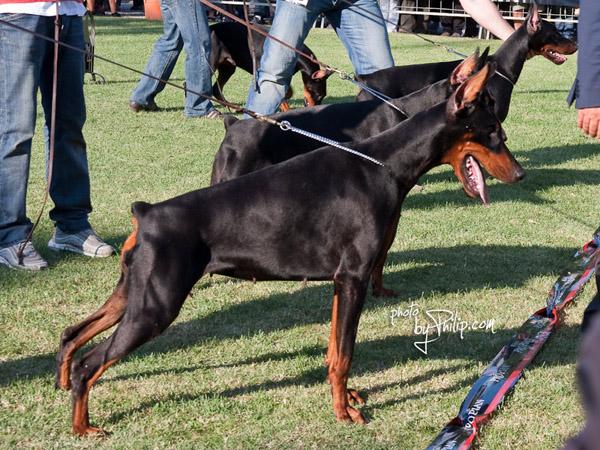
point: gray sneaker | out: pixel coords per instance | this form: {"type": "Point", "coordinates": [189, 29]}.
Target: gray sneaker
{"type": "Point", "coordinates": [32, 260]}
{"type": "Point", "coordinates": [84, 242]}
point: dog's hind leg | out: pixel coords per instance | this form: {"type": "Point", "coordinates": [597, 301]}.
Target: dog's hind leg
{"type": "Point", "coordinates": [351, 293]}
{"type": "Point", "coordinates": [133, 331]}
{"type": "Point", "coordinates": [160, 279]}
{"type": "Point", "coordinates": [150, 311]}
{"type": "Point", "coordinates": [76, 336]}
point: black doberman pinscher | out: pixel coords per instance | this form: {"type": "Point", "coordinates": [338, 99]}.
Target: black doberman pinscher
{"type": "Point", "coordinates": [230, 49]}
{"type": "Point", "coordinates": [343, 122]}
{"type": "Point", "coordinates": [535, 37]}
{"type": "Point", "coordinates": [250, 145]}
{"type": "Point", "coordinates": [326, 215]}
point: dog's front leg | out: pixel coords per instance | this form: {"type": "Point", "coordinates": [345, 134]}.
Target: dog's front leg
{"type": "Point", "coordinates": [348, 302]}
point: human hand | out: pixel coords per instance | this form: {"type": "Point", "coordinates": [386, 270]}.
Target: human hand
{"type": "Point", "coordinates": [588, 119]}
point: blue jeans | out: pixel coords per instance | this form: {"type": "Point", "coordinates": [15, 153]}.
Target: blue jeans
{"type": "Point", "coordinates": [185, 27]}
{"type": "Point", "coordinates": [364, 36]}
{"type": "Point", "coordinates": [391, 15]}
{"type": "Point", "coordinates": [26, 65]}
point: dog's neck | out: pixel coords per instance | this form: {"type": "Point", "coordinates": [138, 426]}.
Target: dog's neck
{"type": "Point", "coordinates": [512, 54]}
{"type": "Point", "coordinates": [425, 98]}
{"type": "Point", "coordinates": [411, 148]}
{"type": "Point", "coordinates": [510, 57]}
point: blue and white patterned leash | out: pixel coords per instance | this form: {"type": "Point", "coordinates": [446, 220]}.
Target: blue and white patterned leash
{"type": "Point", "coordinates": [286, 126]}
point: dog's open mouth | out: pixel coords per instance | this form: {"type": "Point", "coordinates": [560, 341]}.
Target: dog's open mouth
{"type": "Point", "coordinates": [553, 55]}
{"type": "Point", "coordinates": [473, 180]}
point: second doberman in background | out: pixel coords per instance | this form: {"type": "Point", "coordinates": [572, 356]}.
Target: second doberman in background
{"type": "Point", "coordinates": [231, 49]}
{"type": "Point", "coordinates": [537, 37]}
{"type": "Point", "coordinates": [250, 145]}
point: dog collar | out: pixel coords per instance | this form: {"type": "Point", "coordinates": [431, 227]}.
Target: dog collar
{"type": "Point", "coordinates": [505, 77]}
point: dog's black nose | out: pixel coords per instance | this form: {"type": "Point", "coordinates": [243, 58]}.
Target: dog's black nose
{"type": "Point", "coordinates": [519, 174]}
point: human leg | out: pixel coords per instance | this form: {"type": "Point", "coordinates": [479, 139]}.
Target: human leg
{"type": "Point", "coordinates": [291, 24]}
{"type": "Point", "coordinates": [22, 56]}
{"type": "Point", "coordinates": [162, 60]}
{"type": "Point", "coordinates": [362, 30]}
{"type": "Point", "coordinates": [70, 187]}
{"type": "Point", "coordinates": [190, 17]}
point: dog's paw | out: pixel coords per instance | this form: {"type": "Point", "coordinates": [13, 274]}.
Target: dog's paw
{"type": "Point", "coordinates": [89, 430]}
{"type": "Point", "coordinates": [350, 415]}
{"type": "Point", "coordinates": [354, 397]}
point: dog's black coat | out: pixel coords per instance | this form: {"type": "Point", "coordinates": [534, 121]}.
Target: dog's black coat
{"type": "Point", "coordinates": [326, 215]}
{"type": "Point", "coordinates": [250, 145]}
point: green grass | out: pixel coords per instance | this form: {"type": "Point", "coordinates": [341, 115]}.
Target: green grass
{"type": "Point", "coordinates": [242, 367]}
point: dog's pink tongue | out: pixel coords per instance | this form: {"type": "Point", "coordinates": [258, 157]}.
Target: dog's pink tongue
{"type": "Point", "coordinates": [477, 181]}
{"type": "Point", "coordinates": [557, 58]}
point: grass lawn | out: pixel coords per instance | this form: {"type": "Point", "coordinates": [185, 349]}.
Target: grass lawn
{"type": "Point", "coordinates": [242, 366]}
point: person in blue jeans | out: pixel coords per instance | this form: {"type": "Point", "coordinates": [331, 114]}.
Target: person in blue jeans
{"type": "Point", "coordinates": [185, 27]}
{"type": "Point", "coordinates": [359, 25]}
{"type": "Point", "coordinates": [361, 32]}
{"type": "Point", "coordinates": [26, 66]}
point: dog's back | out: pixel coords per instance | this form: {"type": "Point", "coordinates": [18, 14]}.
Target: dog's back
{"type": "Point", "coordinates": [399, 81]}
{"type": "Point", "coordinates": [230, 42]}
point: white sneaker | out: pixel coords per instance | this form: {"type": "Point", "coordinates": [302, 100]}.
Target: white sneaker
{"type": "Point", "coordinates": [85, 242]}
{"type": "Point", "coordinates": [32, 260]}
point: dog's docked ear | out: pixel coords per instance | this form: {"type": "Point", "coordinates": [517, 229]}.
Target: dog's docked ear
{"type": "Point", "coordinates": [229, 120]}
{"type": "Point", "coordinates": [534, 23]}
{"type": "Point", "coordinates": [321, 74]}
{"type": "Point", "coordinates": [483, 59]}
{"type": "Point", "coordinates": [469, 91]}
{"type": "Point", "coordinates": [465, 69]}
